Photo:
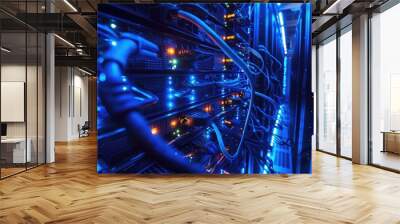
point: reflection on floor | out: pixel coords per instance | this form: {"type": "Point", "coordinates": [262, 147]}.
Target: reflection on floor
{"type": "Point", "coordinates": [11, 169]}
{"type": "Point", "coordinates": [387, 159]}
{"type": "Point", "coordinates": [70, 191]}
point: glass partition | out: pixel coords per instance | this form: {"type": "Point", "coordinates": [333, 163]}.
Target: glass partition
{"type": "Point", "coordinates": [32, 97]}
{"type": "Point", "coordinates": [14, 153]}
{"type": "Point", "coordinates": [22, 89]}
{"type": "Point", "coordinates": [327, 96]}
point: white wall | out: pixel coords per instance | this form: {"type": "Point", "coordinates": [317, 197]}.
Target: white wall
{"type": "Point", "coordinates": [9, 73]}
{"type": "Point", "coordinates": [80, 110]}
{"type": "Point", "coordinates": [71, 102]}
{"type": "Point", "coordinates": [61, 103]}
{"type": "Point", "coordinates": [16, 72]}
{"type": "Point", "coordinates": [33, 127]}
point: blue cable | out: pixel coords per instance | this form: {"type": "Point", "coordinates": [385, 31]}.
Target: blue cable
{"type": "Point", "coordinates": [221, 144]}
{"type": "Point", "coordinates": [230, 53]}
{"type": "Point", "coordinates": [123, 105]}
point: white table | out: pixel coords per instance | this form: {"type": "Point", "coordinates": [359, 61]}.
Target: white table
{"type": "Point", "coordinates": [19, 154]}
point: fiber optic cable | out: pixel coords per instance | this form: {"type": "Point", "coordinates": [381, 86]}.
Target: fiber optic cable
{"type": "Point", "coordinates": [229, 52]}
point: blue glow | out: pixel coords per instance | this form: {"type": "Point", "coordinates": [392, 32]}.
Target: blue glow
{"type": "Point", "coordinates": [266, 170]}
{"type": "Point", "coordinates": [208, 134]}
{"type": "Point", "coordinates": [99, 167]}
{"type": "Point", "coordinates": [280, 15]}
{"type": "Point", "coordinates": [283, 34]}
{"type": "Point", "coordinates": [169, 99]}
{"type": "Point", "coordinates": [170, 105]}
{"type": "Point", "coordinates": [284, 39]}
{"type": "Point", "coordinates": [277, 122]}
{"type": "Point", "coordinates": [102, 77]}
{"type": "Point", "coordinates": [284, 76]}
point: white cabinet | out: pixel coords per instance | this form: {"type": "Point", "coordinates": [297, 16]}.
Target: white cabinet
{"type": "Point", "coordinates": [17, 145]}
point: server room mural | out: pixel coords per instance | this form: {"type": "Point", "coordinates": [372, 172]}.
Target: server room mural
{"type": "Point", "coordinates": [204, 88]}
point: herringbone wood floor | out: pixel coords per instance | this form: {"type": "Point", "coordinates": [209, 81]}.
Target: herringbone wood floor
{"type": "Point", "coordinates": [70, 191]}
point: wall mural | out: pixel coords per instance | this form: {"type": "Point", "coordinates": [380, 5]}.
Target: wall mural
{"type": "Point", "coordinates": [219, 88]}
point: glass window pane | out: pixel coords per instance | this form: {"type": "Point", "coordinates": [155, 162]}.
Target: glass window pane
{"type": "Point", "coordinates": [31, 97]}
{"type": "Point", "coordinates": [13, 86]}
{"type": "Point", "coordinates": [346, 94]}
{"type": "Point", "coordinates": [327, 96]}
{"type": "Point", "coordinates": [385, 84]}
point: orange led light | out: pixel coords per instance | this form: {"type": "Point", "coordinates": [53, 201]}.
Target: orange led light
{"type": "Point", "coordinates": [173, 123]}
{"type": "Point", "coordinates": [207, 108]}
{"type": "Point", "coordinates": [230, 37]}
{"type": "Point", "coordinates": [228, 122]}
{"type": "Point", "coordinates": [226, 60]}
{"type": "Point", "coordinates": [155, 130]}
{"type": "Point", "coordinates": [228, 16]}
{"type": "Point", "coordinates": [171, 51]}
